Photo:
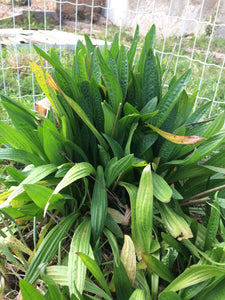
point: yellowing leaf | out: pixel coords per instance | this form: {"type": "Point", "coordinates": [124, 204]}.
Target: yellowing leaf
{"type": "Point", "coordinates": [176, 225]}
{"type": "Point", "coordinates": [177, 139]}
{"type": "Point", "coordinates": [128, 258]}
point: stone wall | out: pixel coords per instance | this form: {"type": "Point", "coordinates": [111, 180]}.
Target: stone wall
{"type": "Point", "coordinates": [168, 15]}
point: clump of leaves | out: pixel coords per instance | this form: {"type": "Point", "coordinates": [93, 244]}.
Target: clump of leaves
{"type": "Point", "coordinates": [132, 160]}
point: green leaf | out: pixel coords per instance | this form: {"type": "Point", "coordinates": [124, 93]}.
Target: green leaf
{"type": "Point", "coordinates": [115, 146]}
{"type": "Point", "coordinates": [83, 76]}
{"type": "Point", "coordinates": [144, 209]}
{"type": "Point", "coordinates": [169, 296]}
{"type": "Point", "coordinates": [79, 170]}
{"type": "Point", "coordinates": [150, 78]}
{"type": "Point", "coordinates": [157, 267]}
{"type": "Point", "coordinates": [40, 195]}
{"type": "Point", "coordinates": [79, 111]}
{"type": "Point", "coordinates": [89, 45]}
{"type": "Point", "coordinates": [91, 287]}
{"type": "Point", "coordinates": [194, 275]}
{"type": "Point", "coordinates": [114, 246]}
{"type": "Point", "coordinates": [95, 270]}
{"type": "Point", "coordinates": [96, 100]}
{"type": "Point", "coordinates": [138, 295]}
{"type": "Point", "coordinates": [36, 175]}
{"type": "Point", "coordinates": [176, 224]}
{"type": "Point", "coordinates": [213, 225]}
{"type": "Point", "coordinates": [112, 86]}
{"type": "Point", "coordinates": [109, 118]}
{"type": "Point", "coordinates": [213, 291]}
{"type": "Point", "coordinates": [53, 289]}
{"type": "Point", "coordinates": [111, 224]}
{"type": "Point", "coordinates": [170, 98]}
{"type": "Point", "coordinates": [71, 83]}
{"type": "Point", "coordinates": [52, 145]}
{"type": "Point", "coordinates": [161, 190]}
{"type": "Point", "coordinates": [114, 48]}
{"type": "Point", "coordinates": [122, 67]}
{"type": "Point", "coordinates": [59, 274]}
{"type": "Point", "coordinates": [127, 149]}
{"type": "Point", "coordinates": [76, 268]}
{"type": "Point", "coordinates": [14, 138]}
{"type": "Point", "coordinates": [29, 292]}
{"type": "Point", "coordinates": [49, 246]}
{"type": "Point", "coordinates": [132, 50]}
{"type": "Point", "coordinates": [116, 167]}
{"type": "Point", "coordinates": [99, 205]}
{"type": "Point", "coordinates": [20, 156]}
{"type": "Point", "coordinates": [122, 283]}
{"type": "Point", "coordinates": [132, 192]}
{"type": "Point", "coordinates": [148, 45]}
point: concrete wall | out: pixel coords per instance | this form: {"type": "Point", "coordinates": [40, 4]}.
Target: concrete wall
{"type": "Point", "coordinates": [167, 15]}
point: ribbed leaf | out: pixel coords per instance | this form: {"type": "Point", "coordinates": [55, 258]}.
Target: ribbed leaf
{"type": "Point", "coordinates": [170, 98]}
{"type": "Point", "coordinates": [111, 83]}
{"type": "Point", "coordinates": [176, 224]}
{"type": "Point", "coordinates": [78, 171]}
{"type": "Point", "coordinates": [83, 76]}
{"type": "Point", "coordinates": [91, 287]}
{"type": "Point", "coordinates": [14, 138]}
{"type": "Point", "coordinates": [193, 275]}
{"type": "Point", "coordinates": [71, 83]}
{"type": "Point", "coordinates": [49, 246]}
{"type": "Point", "coordinates": [138, 295]}
{"type": "Point", "coordinates": [89, 45]}
{"type": "Point", "coordinates": [177, 139]}
{"type": "Point", "coordinates": [144, 209]}
{"type": "Point", "coordinates": [150, 78]}
{"type": "Point", "coordinates": [213, 225]}
{"type": "Point", "coordinates": [53, 289]}
{"type": "Point", "coordinates": [148, 45]}
{"type": "Point", "coordinates": [40, 195]}
{"type": "Point", "coordinates": [59, 274]}
{"type": "Point", "coordinates": [128, 258]}
{"type": "Point", "coordinates": [36, 175]}
{"type": "Point", "coordinates": [114, 48]}
{"type": "Point", "coordinates": [115, 146]}
{"type": "Point", "coordinates": [79, 111]}
{"type": "Point", "coordinates": [115, 167]}
{"type": "Point", "coordinates": [95, 270]}
{"type": "Point", "coordinates": [109, 118]}
{"type": "Point", "coordinates": [132, 50]}
{"type": "Point", "coordinates": [76, 268]}
{"type": "Point", "coordinates": [122, 283]}
{"type": "Point", "coordinates": [122, 67]}
{"type": "Point", "coordinates": [96, 100]}
{"type": "Point", "coordinates": [132, 192]}
{"type": "Point", "coordinates": [52, 145]}
{"type": "Point", "coordinates": [169, 296]}
{"type": "Point", "coordinates": [157, 267]}
{"type": "Point", "coordinates": [99, 205]}
{"type": "Point", "coordinates": [29, 292]}
{"type": "Point", "coordinates": [161, 190]}
{"type": "Point", "coordinates": [20, 156]}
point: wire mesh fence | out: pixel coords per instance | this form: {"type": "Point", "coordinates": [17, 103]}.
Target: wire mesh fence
{"type": "Point", "coordinates": [190, 35]}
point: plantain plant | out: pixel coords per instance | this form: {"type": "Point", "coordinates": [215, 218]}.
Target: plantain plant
{"type": "Point", "coordinates": [123, 159]}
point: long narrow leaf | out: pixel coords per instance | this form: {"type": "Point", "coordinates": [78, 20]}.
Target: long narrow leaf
{"type": "Point", "coordinates": [76, 268]}
{"type": "Point", "coordinates": [144, 209]}
{"type": "Point", "coordinates": [49, 246]}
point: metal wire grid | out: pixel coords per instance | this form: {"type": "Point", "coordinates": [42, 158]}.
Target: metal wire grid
{"type": "Point", "coordinates": [218, 69]}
